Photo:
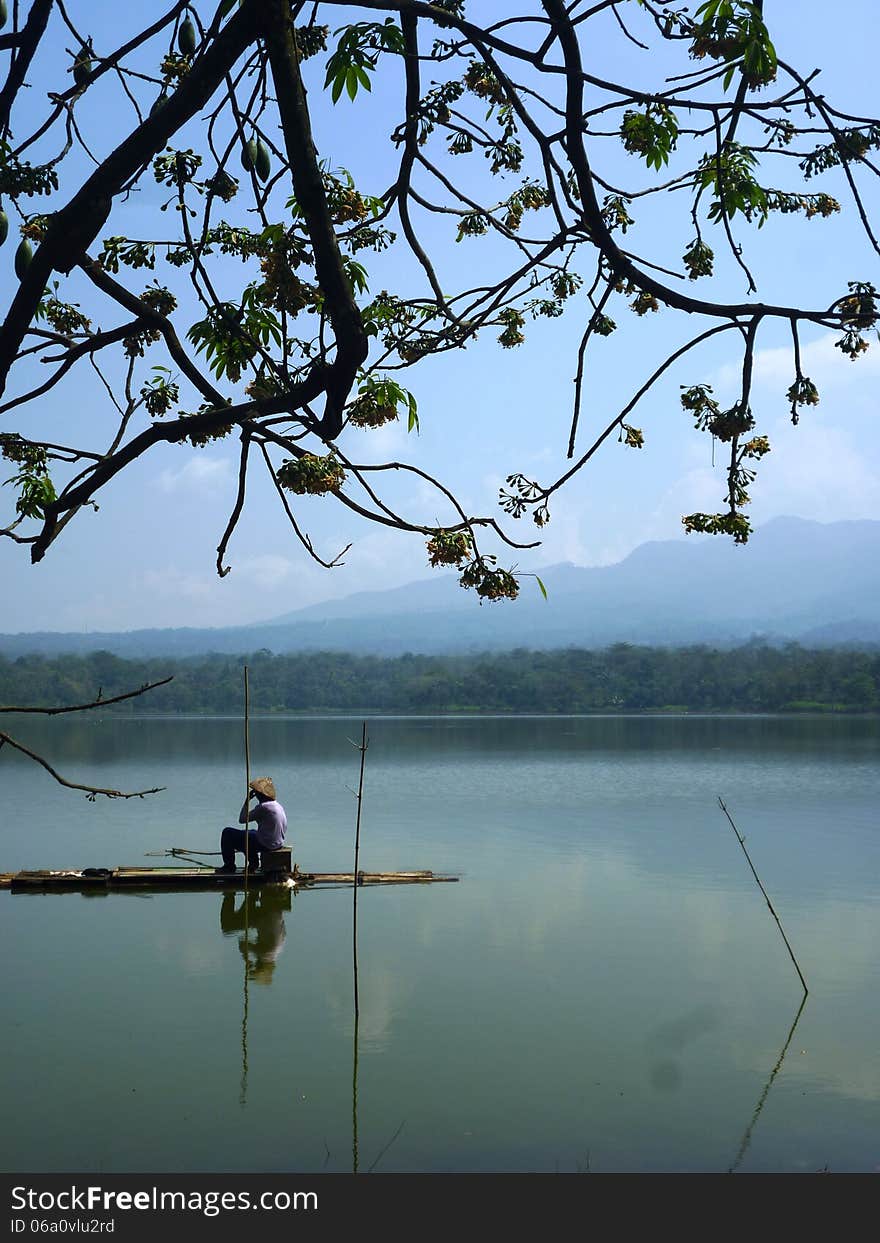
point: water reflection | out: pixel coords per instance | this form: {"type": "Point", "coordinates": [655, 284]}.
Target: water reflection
{"type": "Point", "coordinates": [672, 1038]}
{"type": "Point", "coordinates": [258, 915]}
{"type": "Point", "coordinates": [747, 1137]}
{"type": "Point", "coordinates": [172, 741]}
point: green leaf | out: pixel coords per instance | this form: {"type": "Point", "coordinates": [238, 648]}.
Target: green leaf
{"type": "Point", "coordinates": [541, 585]}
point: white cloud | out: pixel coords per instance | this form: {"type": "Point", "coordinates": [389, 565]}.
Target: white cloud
{"type": "Point", "coordinates": [817, 472]}
{"type": "Point", "coordinates": [813, 471]}
{"type": "Point", "coordinates": [387, 558]}
{"type": "Point", "coordinates": [172, 583]}
{"type": "Point", "coordinates": [826, 366]}
{"type": "Point", "coordinates": [378, 444]}
{"type": "Point", "coordinates": [827, 468]}
{"type": "Point", "coordinates": [268, 569]}
{"type": "Point", "coordinates": [700, 489]}
{"type": "Point", "coordinates": [821, 360]}
{"type": "Point", "coordinates": [198, 474]}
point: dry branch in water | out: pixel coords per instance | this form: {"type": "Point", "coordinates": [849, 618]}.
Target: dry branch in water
{"type": "Point", "coordinates": [99, 702]}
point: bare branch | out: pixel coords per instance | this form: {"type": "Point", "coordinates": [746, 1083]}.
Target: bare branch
{"type": "Point", "coordinates": [95, 703]}
{"type": "Point", "coordinates": [91, 791]}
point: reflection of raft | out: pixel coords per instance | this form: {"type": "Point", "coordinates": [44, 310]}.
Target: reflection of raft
{"type": "Point", "coordinates": [98, 879]}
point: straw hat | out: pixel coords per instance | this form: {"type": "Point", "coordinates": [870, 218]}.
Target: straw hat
{"type": "Point", "coordinates": [264, 786]}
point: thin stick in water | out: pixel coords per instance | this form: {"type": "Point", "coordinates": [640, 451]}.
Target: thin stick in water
{"type": "Point", "coordinates": [357, 847]}
{"type": "Point", "coordinates": [387, 1146]}
{"type": "Point", "coordinates": [247, 777]}
{"type": "Point", "coordinates": [242, 1097]}
{"type": "Point", "coordinates": [247, 931]}
{"type": "Point", "coordinates": [354, 957]}
{"type": "Point", "coordinates": [742, 842]}
{"type": "Point", "coordinates": [747, 1138]}
{"type": "Point", "coordinates": [354, 1101]}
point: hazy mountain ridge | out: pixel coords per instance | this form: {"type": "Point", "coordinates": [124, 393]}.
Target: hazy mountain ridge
{"type": "Point", "coordinates": [796, 579]}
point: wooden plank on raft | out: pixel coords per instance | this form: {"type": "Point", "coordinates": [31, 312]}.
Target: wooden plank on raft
{"type": "Point", "coordinates": [369, 878]}
{"type": "Point", "coordinates": [199, 878]}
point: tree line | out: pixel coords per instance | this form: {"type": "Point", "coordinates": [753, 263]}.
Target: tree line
{"type": "Point", "coordinates": [620, 678]}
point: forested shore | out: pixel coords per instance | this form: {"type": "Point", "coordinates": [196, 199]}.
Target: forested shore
{"type": "Point", "coordinates": [621, 678]}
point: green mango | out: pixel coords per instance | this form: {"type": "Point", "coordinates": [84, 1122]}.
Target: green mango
{"type": "Point", "coordinates": [4, 13]}
{"type": "Point", "coordinates": [23, 257]}
{"type": "Point", "coordinates": [186, 37]}
{"type": "Point", "coordinates": [249, 156]}
{"type": "Point", "coordinates": [262, 163]}
{"type": "Point", "coordinates": [4, 219]}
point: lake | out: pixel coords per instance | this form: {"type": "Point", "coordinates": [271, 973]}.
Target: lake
{"type": "Point", "coordinates": [604, 989]}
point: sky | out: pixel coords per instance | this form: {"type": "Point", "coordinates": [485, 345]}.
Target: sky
{"type": "Point", "coordinates": [147, 557]}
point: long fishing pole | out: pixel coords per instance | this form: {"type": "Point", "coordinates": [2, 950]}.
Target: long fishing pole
{"type": "Point", "coordinates": [247, 930]}
{"type": "Point", "coordinates": [742, 842]}
{"type": "Point", "coordinates": [247, 779]}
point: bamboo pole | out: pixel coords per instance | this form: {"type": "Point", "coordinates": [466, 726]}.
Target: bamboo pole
{"type": "Point", "coordinates": [247, 777]}
{"type": "Point", "coordinates": [742, 842]}
{"type": "Point", "coordinates": [354, 1101]}
{"type": "Point", "coordinates": [354, 957]}
{"type": "Point", "coordinates": [357, 848]}
{"type": "Point", "coordinates": [242, 1097]}
{"type": "Point", "coordinates": [247, 931]}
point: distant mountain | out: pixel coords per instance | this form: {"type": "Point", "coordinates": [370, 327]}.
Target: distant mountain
{"type": "Point", "coordinates": [814, 582]}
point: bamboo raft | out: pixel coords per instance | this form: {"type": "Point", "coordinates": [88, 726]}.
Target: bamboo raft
{"type": "Point", "coordinates": [178, 878]}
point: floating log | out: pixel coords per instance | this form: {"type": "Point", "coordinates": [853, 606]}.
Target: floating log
{"type": "Point", "coordinates": [97, 879]}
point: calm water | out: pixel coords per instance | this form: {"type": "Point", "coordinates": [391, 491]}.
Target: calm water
{"type": "Point", "coordinates": [605, 988]}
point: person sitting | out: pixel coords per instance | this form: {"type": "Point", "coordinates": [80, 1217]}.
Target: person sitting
{"type": "Point", "coordinates": [269, 834]}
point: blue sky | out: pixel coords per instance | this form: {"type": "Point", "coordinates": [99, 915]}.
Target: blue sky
{"type": "Point", "coordinates": [147, 558]}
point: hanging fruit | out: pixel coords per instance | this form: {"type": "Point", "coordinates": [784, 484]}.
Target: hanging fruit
{"type": "Point", "coordinates": [262, 163]}
{"type": "Point", "coordinates": [4, 13]}
{"type": "Point", "coordinates": [82, 67]}
{"type": "Point", "coordinates": [186, 37]}
{"type": "Point", "coordinates": [159, 103]}
{"type": "Point", "coordinates": [23, 257]}
{"type": "Point", "coordinates": [249, 156]}
{"type": "Point", "coordinates": [4, 219]}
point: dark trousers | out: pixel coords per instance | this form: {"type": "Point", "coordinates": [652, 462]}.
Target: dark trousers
{"type": "Point", "coordinates": [245, 840]}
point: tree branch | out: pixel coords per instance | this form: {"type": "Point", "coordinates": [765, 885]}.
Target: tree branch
{"type": "Point", "coordinates": [26, 45]}
{"type": "Point", "coordinates": [92, 791]}
{"type": "Point", "coordinates": [95, 703]}
{"type": "Point", "coordinates": [308, 185]}
{"type": "Point", "coordinates": [74, 227]}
